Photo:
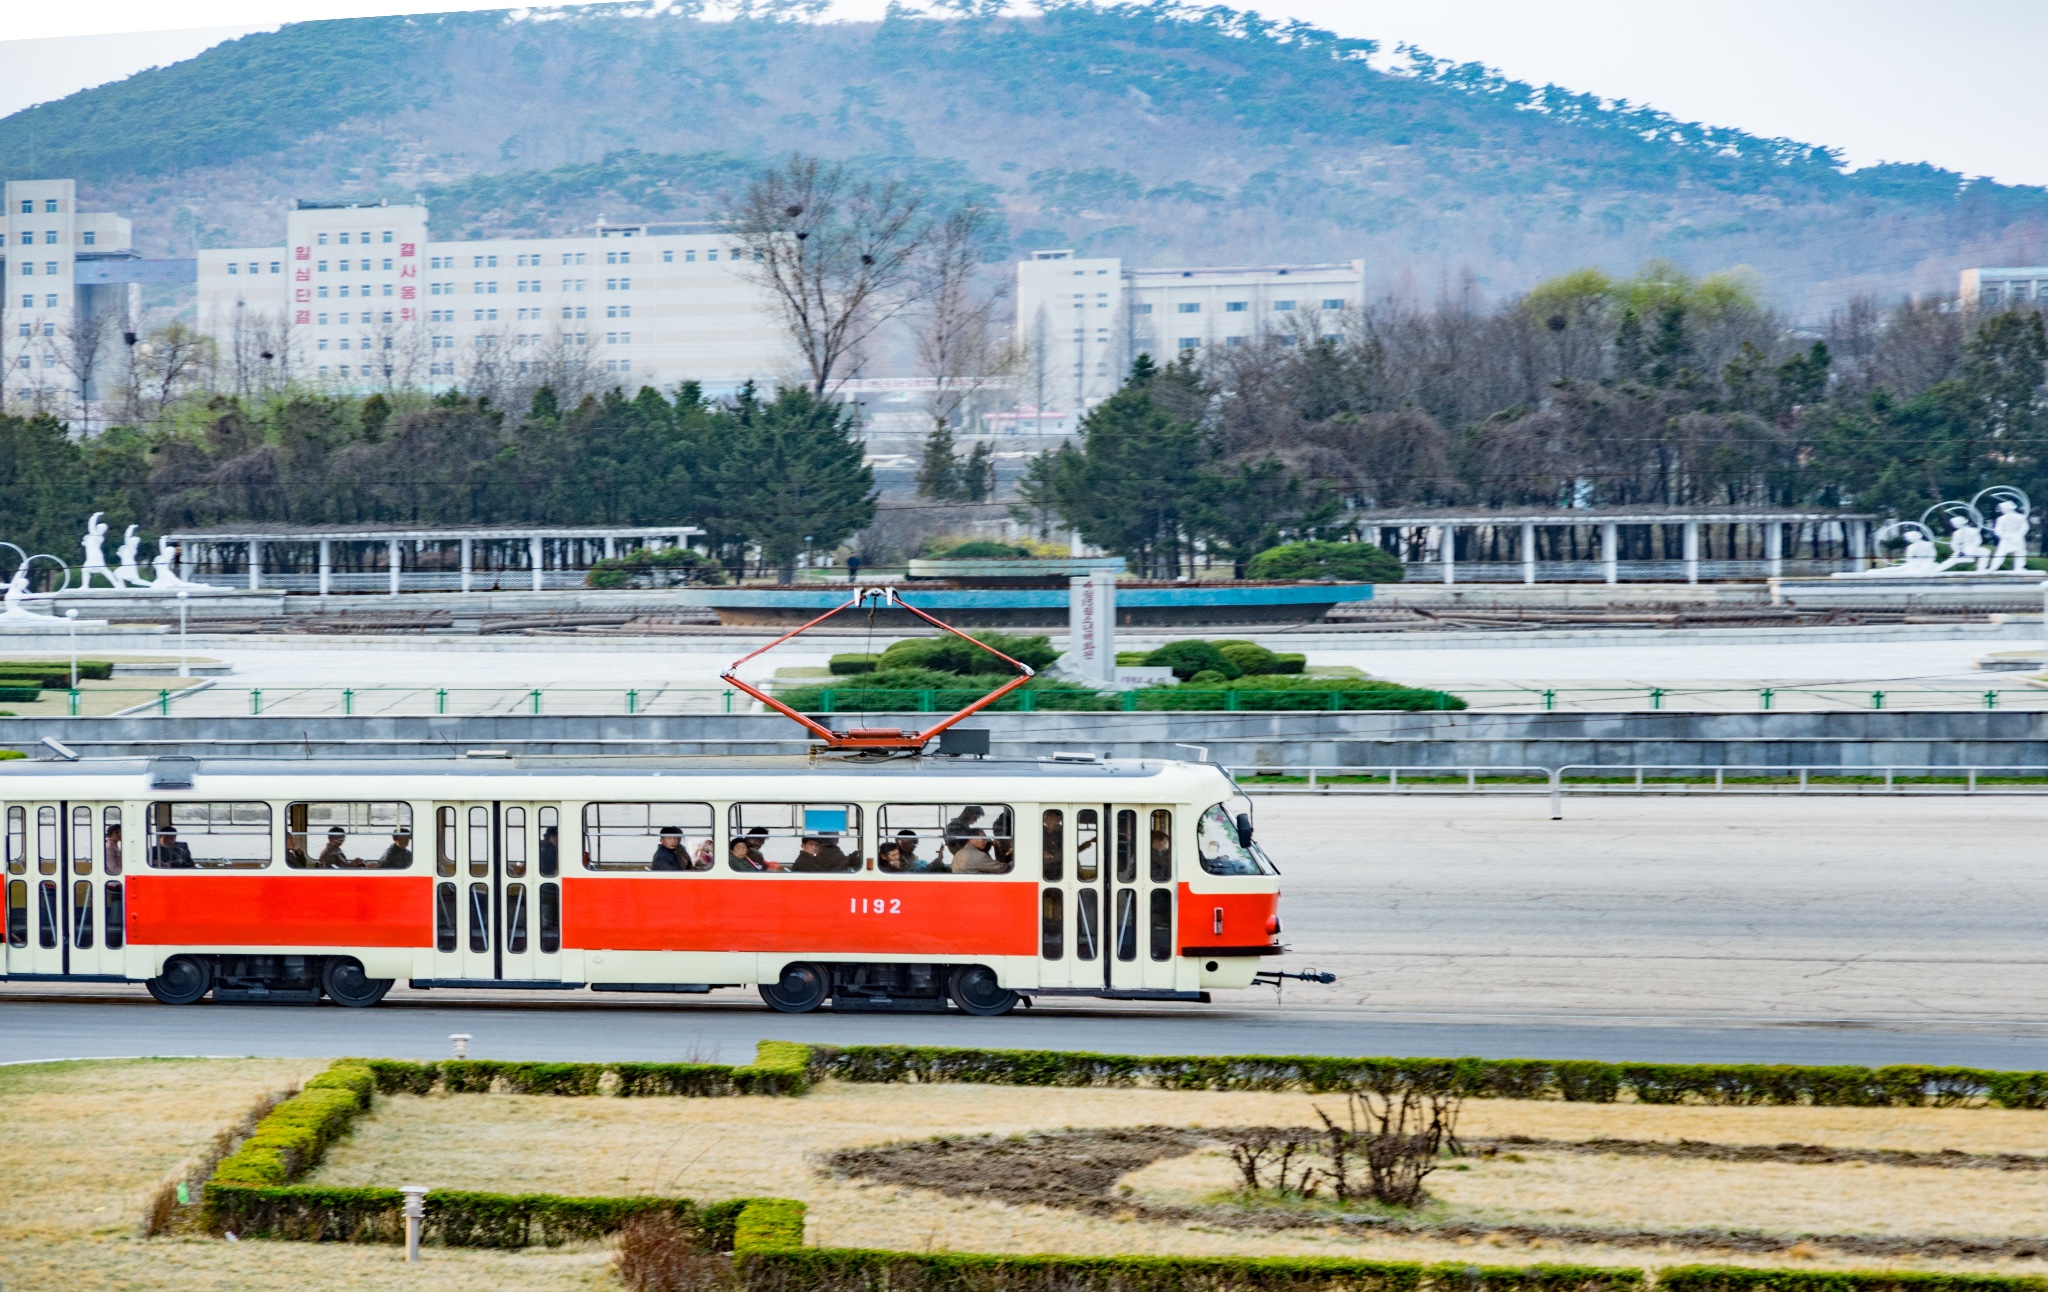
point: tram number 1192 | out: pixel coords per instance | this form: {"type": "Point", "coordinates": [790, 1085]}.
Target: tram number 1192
{"type": "Point", "coordinates": [875, 905]}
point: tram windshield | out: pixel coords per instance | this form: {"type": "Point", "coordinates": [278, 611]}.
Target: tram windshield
{"type": "Point", "coordinates": [1222, 854]}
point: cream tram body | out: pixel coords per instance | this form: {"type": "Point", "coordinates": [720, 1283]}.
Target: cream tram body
{"type": "Point", "coordinates": [285, 879]}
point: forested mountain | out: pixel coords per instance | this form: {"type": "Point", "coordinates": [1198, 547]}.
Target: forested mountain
{"type": "Point", "coordinates": [1164, 133]}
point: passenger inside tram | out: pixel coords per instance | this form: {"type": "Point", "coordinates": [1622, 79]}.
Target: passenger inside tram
{"type": "Point", "coordinates": [668, 854]}
{"type": "Point", "coordinates": [889, 857]}
{"type": "Point", "coordinates": [741, 857]}
{"type": "Point", "coordinates": [399, 855]}
{"type": "Point", "coordinates": [332, 857]}
{"type": "Point", "coordinates": [975, 856]}
{"type": "Point", "coordinates": [169, 854]}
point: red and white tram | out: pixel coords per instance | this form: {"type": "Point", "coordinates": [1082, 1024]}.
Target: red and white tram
{"type": "Point", "coordinates": [881, 884]}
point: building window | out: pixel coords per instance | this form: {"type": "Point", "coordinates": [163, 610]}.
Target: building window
{"type": "Point", "coordinates": [440, 262]}
{"type": "Point", "coordinates": [1233, 341]}
{"type": "Point", "coordinates": [28, 268]}
{"type": "Point", "coordinates": [1189, 307]}
{"type": "Point", "coordinates": [618, 284]}
{"type": "Point", "coordinates": [1236, 307]}
{"type": "Point", "coordinates": [618, 311]}
{"type": "Point", "coordinates": [711, 255]}
{"type": "Point", "coordinates": [484, 262]}
{"type": "Point", "coordinates": [575, 311]}
{"type": "Point", "coordinates": [49, 206]}
{"type": "Point", "coordinates": [1332, 303]}
{"type": "Point", "coordinates": [573, 284]}
{"type": "Point", "coordinates": [323, 320]}
{"type": "Point", "coordinates": [668, 257]}
{"type": "Point", "coordinates": [1190, 342]}
{"type": "Point", "coordinates": [50, 237]}
{"type": "Point", "coordinates": [91, 238]}
{"type": "Point", "coordinates": [321, 240]}
{"type": "Point", "coordinates": [618, 365]}
{"type": "Point", "coordinates": [50, 301]}
{"type": "Point", "coordinates": [321, 344]}
{"type": "Point", "coordinates": [618, 257]}
{"type": "Point", "coordinates": [573, 257]}
{"type": "Point", "coordinates": [1287, 339]}
{"type": "Point", "coordinates": [486, 289]}
{"type": "Point", "coordinates": [49, 329]}
{"type": "Point", "coordinates": [1283, 307]}
{"type": "Point", "coordinates": [28, 207]}
{"type": "Point", "coordinates": [690, 256]}
{"type": "Point", "coordinates": [486, 316]}
{"type": "Point", "coordinates": [387, 238]}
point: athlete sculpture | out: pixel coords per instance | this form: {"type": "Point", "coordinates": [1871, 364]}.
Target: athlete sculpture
{"type": "Point", "coordinates": [2011, 528]}
{"type": "Point", "coordinates": [94, 544]}
{"type": "Point", "coordinates": [127, 574]}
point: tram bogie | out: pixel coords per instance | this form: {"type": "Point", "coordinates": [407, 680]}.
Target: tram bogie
{"type": "Point", "coordinates": [908, 884]}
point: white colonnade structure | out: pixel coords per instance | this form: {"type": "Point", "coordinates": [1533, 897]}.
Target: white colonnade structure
{"type": "Point", "coordinates": [526, 553]}
{"type": "Point", "coordinates": [1750, 543]}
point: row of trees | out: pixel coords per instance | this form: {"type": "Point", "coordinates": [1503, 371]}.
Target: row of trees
{"type": "Point", "coordinates": [769, 479]}
{"type": "Point", "coordinates": [1589, 392]}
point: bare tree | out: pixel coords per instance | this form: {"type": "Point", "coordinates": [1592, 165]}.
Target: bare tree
{"type": "Point", "coordinates": [173, 359]}
{"type": "Point", "coordinates": [840, 255]}
{"type": "Point", "coordinates": [960, 341]}
{"type": "Point", "coordinates": [81, 350]}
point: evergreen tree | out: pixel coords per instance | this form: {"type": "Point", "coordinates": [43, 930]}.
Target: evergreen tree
{"type": "Point", "coordinates": [789, 477]}
{"type": "Point", "coordinates": [938, 471]}
{"type": "Point", "coordinates": [42, 489]}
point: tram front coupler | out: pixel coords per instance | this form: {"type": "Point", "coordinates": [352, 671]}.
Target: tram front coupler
{"type": "Point", "coordinates": [1274, 977]}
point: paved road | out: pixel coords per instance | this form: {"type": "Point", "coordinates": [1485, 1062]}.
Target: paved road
{"type": "Point", "coordinates": [1820, 930]}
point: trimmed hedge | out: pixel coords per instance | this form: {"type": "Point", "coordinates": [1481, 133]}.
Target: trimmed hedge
{"type": "Point", "coordinates": [293, 1138]}
{"type": "Point", "coordinates": [53, 675]}
{"type": "Point", "coordinates": [769, 1224]}
{"type": "Point", "coordinates": [458, 1218]}
{"type": "Point", "coordinates": [779, 1068]}
{"type": "Point", "coordinates": [855, 1270]}
{"type": "Point", "coordinates": [1584, 1081]}
{"type": "Point", "coordinates": [1736, 1278]}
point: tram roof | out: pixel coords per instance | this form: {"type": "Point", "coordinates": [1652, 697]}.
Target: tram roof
{"type": "Point", "coordinates": [473, 766]}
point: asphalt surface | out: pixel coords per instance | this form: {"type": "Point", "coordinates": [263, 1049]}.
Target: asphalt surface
{"type": "Point", "coordinates": [1844, 930]}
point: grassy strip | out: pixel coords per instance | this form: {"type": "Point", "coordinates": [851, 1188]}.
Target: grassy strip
{"type": "Point", "coordinates": [1580, 1081]}
{"type": "Point", "coordinates": [779, 1068]}
{"type": "Point", "coordinates": [854, 1270]}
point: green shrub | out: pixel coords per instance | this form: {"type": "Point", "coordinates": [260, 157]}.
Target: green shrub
{"type": "Point", "coordinates": [8, 755]}
{"type": "Point", "coordinates": [848, 665]}
{"type": "Point", "coordinates": [294, 1136]}
{"type": "Point", "coordinates": [1731, 1278]}
{"type": "Point", "coordinates": [665, 567]}
{"type": "Point", "coordinates": [826, 1269]}
{"type": "Point", "coordinates": [312, 1213]}
{"type": "Point", "coordinates": [779, 1068]}
{"type": "Point", "coordinates": [950, 654]}
{"type": "Point", "coordinates": [1252, 659]}
{"type": "Point", "coordinates": [978, 549]}
{"type": "Point", "coordinates": [1581, 1081]}
{"type": "Point", "coordinates": [54, 674]}
{"type": "Point", "coordinates": [1188, 658]}
{"type": "Point", "coordinates": [1345, 562]}
{"type": "Point", "coordinates": [22, 694]}
{"type": "Point", "coordinates": [1285, 692]}
{"type": "Point", "coordinates": [767, 1225]}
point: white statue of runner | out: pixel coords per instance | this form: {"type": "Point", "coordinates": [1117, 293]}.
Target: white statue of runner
{"type": "Point", "coordinates": [127, 573]}
{"type": "Point", "coordinates": [2011, 528]}
{"type": "Point", "coordinates": [94, 544]}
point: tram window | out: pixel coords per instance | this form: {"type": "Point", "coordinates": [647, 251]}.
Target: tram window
{"type": "Point", "coordinates": [1162, 924]}
{"type": "Point", "coordinates": [1162, 847]}
{"type": "Point", "coordinates": [1127, 924]}
{"type": "Point", "coordinates": [1216, 843]}
{"type": "Point", "coordinates": [117, 916]}
{"type": "Point", "coordinates": [1087, 924]}
{"type": "Point", "coordinates": [550, 842]}
{"type": "Point", "coordinates": [81, 841]}
{"type": "Point", "coordinates": [951, 838]}
{"type": "Point", "coordinates": [1126, 847]}
{"type": "Point", "coordinates": [444, 917]}
{"type": "Point", "coordinates": [46, 913]}
{"type": "Point", "coordinates": [17, 911]}
{"type": "Point", "coordinates": [444, 844]}
{"type": "Point", "coordinates": [1087, 838]}
{"type": "Point", "coordinates": [550, 918]}
{"type": "Point", "coordinates": [649, 836]}
{"type": "Point", "coordinates": [81, 913]}
{"type": "Point", "coordinates": [515, 842]}
{"type": "Point", "coordinates": [209, 836]}
{"type": "Point", "coordinates": [348, 836]}
{"type": "Point", "coordinates": [17, 840]}
{"type": "Point", "coordinates": [479, 842]}
{"type": "Point", "coordinates": [479, 917]}
{"type": "Point", "coordinates": [807, 837]}
{"type": "Point", "coordinates": [1053, 851]}
{"type": "Point", "coordinates": [1052, 919]}
{"type": "Point", "coordinates": [515, 918]}
{"type": "Point", "coordinates": [46, 841]}
{"type": "Point", "coordinates": [110, 844]}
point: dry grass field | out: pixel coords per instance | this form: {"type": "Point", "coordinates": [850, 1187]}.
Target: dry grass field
{"type": "Point", "coordinates": [82, 1147]}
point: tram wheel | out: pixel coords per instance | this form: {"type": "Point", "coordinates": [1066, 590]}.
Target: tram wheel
{"type": "Point", "coordinates": [975, 989]}
{"type": "Point", "coordinates": [802, 988]}
{"type": "Point", "coordinates": [184, 980]}
{"type": "Point", "coordinates": [347, 984]}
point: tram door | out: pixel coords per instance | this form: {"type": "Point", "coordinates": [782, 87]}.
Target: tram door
{"type": "Point", "coordinates": [497, 891]}
{"type": "Point", "coordinates": [65, 895]}
{"type": "Point", "coordinates": [1106, 897]}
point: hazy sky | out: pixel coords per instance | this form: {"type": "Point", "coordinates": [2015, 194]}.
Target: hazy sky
{"type": "Point", "coordinates": [1956, 83]}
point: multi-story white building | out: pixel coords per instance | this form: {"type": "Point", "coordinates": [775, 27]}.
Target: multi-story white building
{"type": "Point", "coordinates": [62, 271]}
{"type": "Point", "coordinates": [361, 294]}
{"type": "Point", "coordinates": [1997, 288]}
{"type": "Point", "coordinates": [1083, 320]}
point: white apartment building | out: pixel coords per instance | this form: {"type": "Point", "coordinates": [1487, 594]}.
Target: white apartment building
{"type": "Point", "coordinates": [1084, 319]}
{"type": "Point", "coordinates": [54, 273]}
{"type": "Point", "coordinates": [361, 295]}
{"type": "Point", "coordinates": [1997, 288]}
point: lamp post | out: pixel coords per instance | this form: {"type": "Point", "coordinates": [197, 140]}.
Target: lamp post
{"type": "Point", "coordinates": [71, 619]}
{"type": "Point", "coordinates": [415, 1212]}
{"type": "Point", "coordinates": [184, 662]}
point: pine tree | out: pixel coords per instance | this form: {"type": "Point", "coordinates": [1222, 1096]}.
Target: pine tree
{"type": "Point", "coordinates": [938, 472]}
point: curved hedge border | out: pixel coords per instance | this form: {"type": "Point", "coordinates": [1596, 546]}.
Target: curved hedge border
{"type": "Point", "coordinates": [779, 1068]}
{"type": "Point", "coordinates": [1580, 1081]}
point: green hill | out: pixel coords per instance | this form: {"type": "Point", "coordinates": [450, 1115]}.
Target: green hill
{"type": "Point", "coordinates": [1164, 134]}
